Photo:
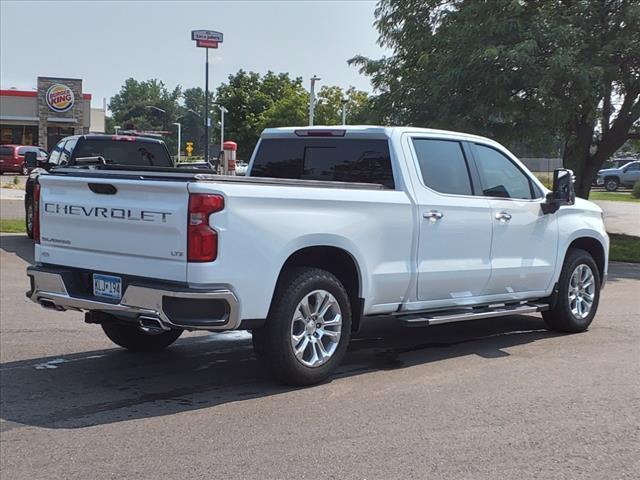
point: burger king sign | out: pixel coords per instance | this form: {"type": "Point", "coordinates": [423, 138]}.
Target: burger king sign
{"type": "Point", "coordinates": [59, 98]}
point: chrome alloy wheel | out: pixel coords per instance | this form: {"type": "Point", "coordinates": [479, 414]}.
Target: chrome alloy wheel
{"type": "Point", "coordinates": [581, 291]}
{"type": "Point", "coordinates": [315, 328]}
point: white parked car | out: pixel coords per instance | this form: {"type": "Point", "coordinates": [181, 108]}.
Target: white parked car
{"type": "Point", "coordinates": [331, 227]}
{"type": "Point", "coordinates": [241, 168]}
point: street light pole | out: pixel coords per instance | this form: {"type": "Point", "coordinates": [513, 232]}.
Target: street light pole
{"type": "Point", "coordinates": [223, 110]}
{"type": "Point", "coordinates": [344, 102]}
{"type": "Point", "coordinates": [179, 138]}
{"type": "Point", "coordinates": [312, 99]}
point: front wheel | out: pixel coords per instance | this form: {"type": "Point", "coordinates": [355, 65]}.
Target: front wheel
{"type": "Point", "coordinates": [132, 338]}
{"type": "Point", "coordinates": [24, 170]}
{"type": "Point", "coordinates": [578, 294]}
{"type": "Point", "coordinates": [611, 184]}
{"type": "Point", "coordinates": [307, 329]}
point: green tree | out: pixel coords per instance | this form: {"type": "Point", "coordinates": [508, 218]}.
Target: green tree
{"type": "Point", "coordinates": [131, 108]}
{"type": "Point", "coordinates": [192, 119]}
{"type": "Point", "coordinates": [328, 110]}
{"type": "Point", "coordinates": [537, 72]}
{"type": "Point", "coordinates": [256, 102]}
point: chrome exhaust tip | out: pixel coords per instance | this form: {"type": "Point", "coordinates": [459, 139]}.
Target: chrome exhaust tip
{"type": "Point", "coordinates": [152, 325]}
{"type": "Point", "coordinates": [50, 305]}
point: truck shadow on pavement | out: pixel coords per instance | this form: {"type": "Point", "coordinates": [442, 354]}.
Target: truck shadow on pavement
{"type": "Point", "coordinates": [198, 372]}
{"type": "Point", "coordinates": [20, 245]}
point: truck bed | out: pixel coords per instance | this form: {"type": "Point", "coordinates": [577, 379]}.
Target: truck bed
{"type": "Point", "coordinates": [175, 174]}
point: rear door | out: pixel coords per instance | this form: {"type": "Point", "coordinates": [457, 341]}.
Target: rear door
{"type": "Point", "coordinates": [525, 240]}
{"type": "Point", "coordinates": [135, 227]}
{"type": "Point", "coordinates": [454, 241]}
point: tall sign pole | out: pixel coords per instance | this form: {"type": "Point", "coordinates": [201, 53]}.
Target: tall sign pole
{"type": "Point", "coordinates": [206, 39]}
{"type": "Point", "coordinates": [207, 121]}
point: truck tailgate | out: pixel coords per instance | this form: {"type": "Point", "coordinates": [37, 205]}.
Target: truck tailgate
{"type": "Point", "coordinates": [134, 227]}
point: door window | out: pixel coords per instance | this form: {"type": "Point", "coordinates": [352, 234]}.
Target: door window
{"type": "Point", "coordinates": [500, 177]}
{"type": "Point", "coordinates": [633, 167]}
{"type": "Point", "coordinates": [443, 166]}
{"type": "Point", "coordinates": [65, 156]}
{"type": "Point", "coordinates": [54, 158]}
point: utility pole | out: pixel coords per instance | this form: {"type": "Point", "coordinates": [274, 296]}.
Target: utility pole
{"type": "Point", "coordinates": [344, 102]}
{"type": "Point", "coordinates": [312, 99]}
{"type": "Point", "coordinates": [179, 138]}
{"type": "Point", "coordinates": [222, 112]}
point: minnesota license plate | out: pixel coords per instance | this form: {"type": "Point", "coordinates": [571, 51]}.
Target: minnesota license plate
{"type": "Point", "coordinates": [107, 286]}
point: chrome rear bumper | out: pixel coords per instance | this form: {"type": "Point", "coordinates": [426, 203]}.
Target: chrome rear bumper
{"type": "Point", "coordinates": [138, 302]}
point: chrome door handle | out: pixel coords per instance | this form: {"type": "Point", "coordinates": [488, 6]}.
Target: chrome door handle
{"type": "Point", "coordinates": [503, 217]}
{"type": "Point", "coordinates": [433, 215]}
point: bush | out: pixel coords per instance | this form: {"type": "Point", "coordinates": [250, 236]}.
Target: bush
{"type": "Point", "coordinates": [635, 193]}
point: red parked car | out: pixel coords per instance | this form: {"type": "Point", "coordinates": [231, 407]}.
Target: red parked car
{"type": "Point", "coordinates": [12, 157]}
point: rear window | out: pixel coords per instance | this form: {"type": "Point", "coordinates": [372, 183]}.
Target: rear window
{"type": "Point", "coordinates": [124, 152]}
{"type": "Point", "coordinates": [6, 150]}
{"type": "Point", "coordinates": [23, 150]}
{"type": "Point", "coordinates": [333, 159]}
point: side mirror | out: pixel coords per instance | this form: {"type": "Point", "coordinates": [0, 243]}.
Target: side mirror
{"type": "Point", "coordinates": [31, 159]}
{"type": "Point", "coordinates": [563, 192]}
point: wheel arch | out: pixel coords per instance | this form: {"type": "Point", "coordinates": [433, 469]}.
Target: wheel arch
{"type": "Point", "coordinates": [595, 248]}
{"type": "Point", "coordinates": [340, 263]}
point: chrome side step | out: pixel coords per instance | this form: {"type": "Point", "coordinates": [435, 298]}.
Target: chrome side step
{"type": "Point", "coordinates": [471, 313]}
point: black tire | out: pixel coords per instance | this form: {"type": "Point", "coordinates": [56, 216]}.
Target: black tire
{"type": "Point", "coordinates": [134, 339]}
{"type": "Point", "coordinates": [24, 170]}
{"type": "Point", "coordinates": [28, 218]}
{"type": "Point", "coordinates": [273, 341]}
{"type": "Point", "coordinates": [611, 184]}
{"type": "Point", "coordinates": [561, 318]}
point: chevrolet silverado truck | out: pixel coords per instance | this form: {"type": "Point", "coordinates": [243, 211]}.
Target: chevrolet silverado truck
{"type": "Point", "coordinates": [330, 228]}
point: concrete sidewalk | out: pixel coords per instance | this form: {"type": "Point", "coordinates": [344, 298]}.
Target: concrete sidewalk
{"type": "Point", "coordinates": [621, 217]}
{"type": "Point", "coordinates": [11, 194]}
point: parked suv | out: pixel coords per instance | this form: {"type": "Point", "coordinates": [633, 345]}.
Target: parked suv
{"type": "Point", "coordinates": [114, 149]}
{"type": "Point", "coordinates": [625, 176]}
{"type": "Point", "coordinates": [12, 158]}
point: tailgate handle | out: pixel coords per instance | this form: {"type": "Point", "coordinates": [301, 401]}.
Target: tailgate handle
{"type": "Point", "coordinates": [103, 188]}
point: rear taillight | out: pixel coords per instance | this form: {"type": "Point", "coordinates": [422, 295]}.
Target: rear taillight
{"type": "Point", "coordinates": [36, 213]}
{"type": "Point", "coordinates": [202, 240]}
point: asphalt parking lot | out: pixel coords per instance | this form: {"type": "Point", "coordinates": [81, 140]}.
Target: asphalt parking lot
{"type": "Point", "coordinates": [489, 399]}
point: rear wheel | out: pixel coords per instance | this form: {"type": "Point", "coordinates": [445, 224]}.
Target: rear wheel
{"type": "Point", "coordinates": [611, 184]}
{"type": "Point", "coordinates": [308, 327]}
{"type": "Point", "coordinates": [578, 294]}
{"type": "Point", "coordinates": [132, 338]}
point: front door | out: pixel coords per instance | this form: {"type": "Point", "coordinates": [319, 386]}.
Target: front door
{"type": "Point", "coordinates": [454, 242]}
{"type": "Point", "coordinates": [525, 240]}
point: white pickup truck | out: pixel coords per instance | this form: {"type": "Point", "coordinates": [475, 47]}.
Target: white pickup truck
{"type": "Point", "coordinates": [332, 226]}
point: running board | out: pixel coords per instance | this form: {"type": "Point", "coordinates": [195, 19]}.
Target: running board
{"type": "Point", "coordinates": [471, 313]}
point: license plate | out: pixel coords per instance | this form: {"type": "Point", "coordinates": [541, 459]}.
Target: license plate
{"type": "Point", "coordinates": [107, 286]}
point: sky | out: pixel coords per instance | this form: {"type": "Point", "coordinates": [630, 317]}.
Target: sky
{"type": "Point", "coordinates": [104, 43]}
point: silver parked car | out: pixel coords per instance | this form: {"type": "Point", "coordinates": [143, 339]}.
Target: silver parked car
{"type": "Point", "coordinates": [625, 176]}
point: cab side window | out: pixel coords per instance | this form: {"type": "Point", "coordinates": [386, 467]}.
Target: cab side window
{"type": "Point", "coordinates": [500, 177]}
{"type": "Point", "coordinates": [443, 166]}
{"type": "Point", "coordinates": [54, 158]}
